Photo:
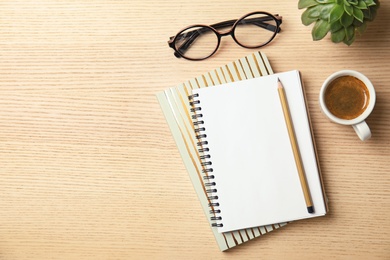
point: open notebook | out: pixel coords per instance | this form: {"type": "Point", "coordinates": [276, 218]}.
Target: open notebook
{"type": "Point", "coordinates": [247, 152]}
{"type": "Point", "coordinates": [175, 106]}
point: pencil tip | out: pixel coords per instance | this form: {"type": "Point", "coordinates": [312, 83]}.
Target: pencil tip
{"type": "Point", "coordinates": [280, 84]}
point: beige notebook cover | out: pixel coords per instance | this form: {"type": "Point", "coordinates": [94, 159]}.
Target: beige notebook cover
{"type": "Point", "coordinates": [175, 106]}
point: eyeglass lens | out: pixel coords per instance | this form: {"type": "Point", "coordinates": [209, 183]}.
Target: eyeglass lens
{"type": "Point", "coordinates": [197, 42]}
{"type": "Point", "coordinates": [255, 30]}
{"type": "Point", "coordinates": [200, 42]}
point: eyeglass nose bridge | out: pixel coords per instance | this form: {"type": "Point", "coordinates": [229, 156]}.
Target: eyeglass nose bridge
{"type": "Point", "coordinates": [223, 34]}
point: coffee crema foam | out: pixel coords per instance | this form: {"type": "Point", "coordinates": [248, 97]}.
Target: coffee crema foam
{"type": "Point", "coordinates": [347, 97]}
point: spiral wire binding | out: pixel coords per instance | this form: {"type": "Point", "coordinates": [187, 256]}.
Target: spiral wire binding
{"type": "Point", "coordinates": [205, 159]}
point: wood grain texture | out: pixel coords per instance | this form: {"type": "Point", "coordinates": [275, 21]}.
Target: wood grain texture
{"type": "Point", "coordinates": [89, 169]}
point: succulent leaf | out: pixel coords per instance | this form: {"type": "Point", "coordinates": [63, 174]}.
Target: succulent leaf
{"type": "Point", "coordinates": [361, 29]}
{"type": "Point", "coordinates": [362, 5]}
{"type": "Point", "coordinates": [357, 23]}
{"type": "Point", "coordinates": [334, 27]}
{"type": "Point", "coordinates": [373, 14]}
{"type": "Point", "coordinates": [349, 32]}
{"type": "Point", "coordinates": [346, 20]}
{"type": "Point", "coordinates": [349, 35]}
{"type": "Point", "coordinates": [306, 20]}
{"type": "Point", "coordinates": [347, 3]}
{"type": "Point", "coordinates": [336, 13]}
{"type": "Point", "coordinates": [338, 36]}
{"type": "Point", "coordinates": [325, 1]}
{"type": "Point", "coordinates": [306, 3]}
{"type": "Point", "coordinates": [348, 9]}
{"type": "Point", "coordinates": [367, 14]}
{"type": "Point", "coordinates": [314, 11]}
{"type": "Point", "coordinates": [320, 29]}
{"type": "Point", "coordinates": [353, 2]}
{"type": "Point", "coordinates": [339, 2]}
{"type": "Point", "coordinates": [358, 14]}
{"type": "Point", "coordinates": [369, 2]}
{"type": "Point", "coordinates": [325, 11]}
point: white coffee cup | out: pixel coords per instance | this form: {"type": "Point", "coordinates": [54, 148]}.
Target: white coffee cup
{"type": "Point", "coordinates": [358, 123]}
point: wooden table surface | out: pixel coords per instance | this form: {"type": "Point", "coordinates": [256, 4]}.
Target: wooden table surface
{"type": "Point", "coordinates": [88, 166]}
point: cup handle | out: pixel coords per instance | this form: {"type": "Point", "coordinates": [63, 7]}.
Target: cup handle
{"type": "Point", "coordinates": [362, 130]}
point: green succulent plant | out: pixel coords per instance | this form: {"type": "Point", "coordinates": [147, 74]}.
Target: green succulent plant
{"type": "Point", "coordinates": [342, 18]}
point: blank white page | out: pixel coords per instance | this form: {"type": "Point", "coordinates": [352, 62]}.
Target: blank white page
{"type": "Point", "coordinates": [255, 173]}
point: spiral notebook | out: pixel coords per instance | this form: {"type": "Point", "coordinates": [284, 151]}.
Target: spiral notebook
{"type": "Point", "coordinates": [176, 108]}
{"type": "Point", "coordinates": [247, 154]}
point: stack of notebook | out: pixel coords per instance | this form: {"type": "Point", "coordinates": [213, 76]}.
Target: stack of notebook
{"type": "Point", "coordinates": [231, 132]}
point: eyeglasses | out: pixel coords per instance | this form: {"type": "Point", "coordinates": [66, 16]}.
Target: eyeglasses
{"type": "Point", "coordinates": [199, 42]}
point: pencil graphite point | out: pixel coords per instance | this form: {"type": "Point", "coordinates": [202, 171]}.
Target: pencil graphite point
{"type": "Point", "coordinates": [280, 84]}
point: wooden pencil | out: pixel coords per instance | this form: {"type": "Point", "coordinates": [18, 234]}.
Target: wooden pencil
{"type": "Point", "coordinates": [295, 148]}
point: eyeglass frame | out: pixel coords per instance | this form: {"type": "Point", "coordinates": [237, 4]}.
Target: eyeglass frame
{"type": "Point", "coordinates": [214, 27]}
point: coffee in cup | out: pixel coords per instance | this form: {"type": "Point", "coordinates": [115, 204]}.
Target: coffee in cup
{"type": "Point", "coordinates": [348, 97]}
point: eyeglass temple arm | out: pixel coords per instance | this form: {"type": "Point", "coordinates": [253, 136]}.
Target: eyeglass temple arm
{"type": "Point", "coordinates": [192, 35]}
{"type": "Point", "coordinates": [190, 39]}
